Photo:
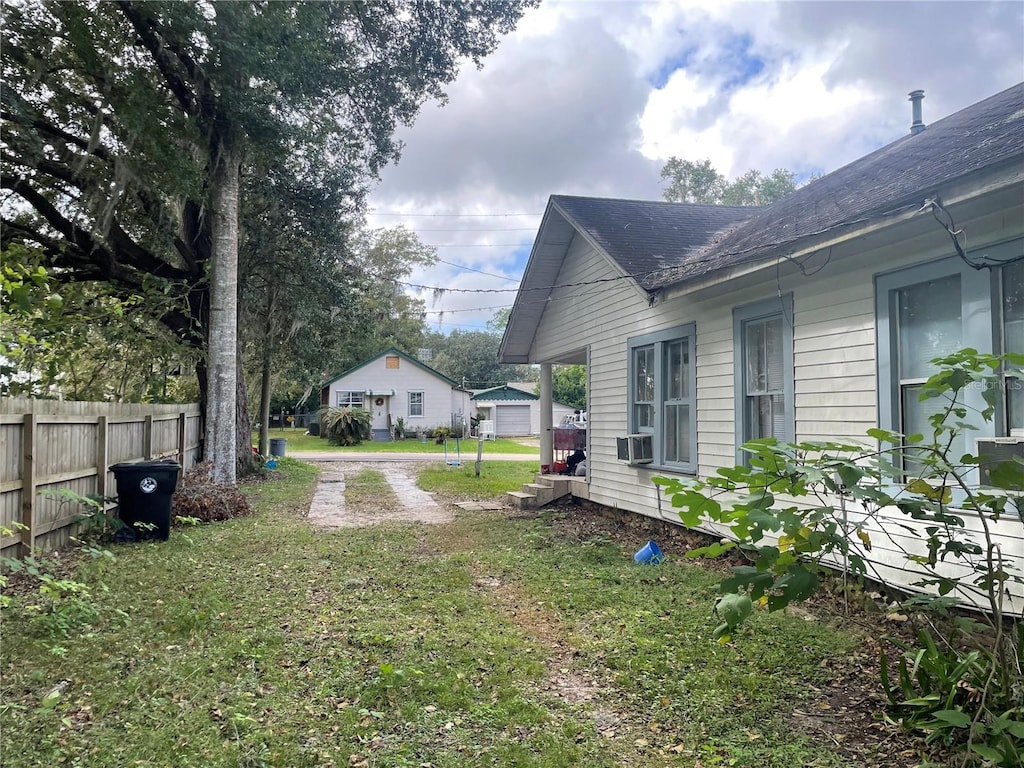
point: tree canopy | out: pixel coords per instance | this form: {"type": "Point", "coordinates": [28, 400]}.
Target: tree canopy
{"type": "Point", "coordinates": [471, 357]}
{"type": "Point", "coordinates": [569, 385]}
{"type": "Point", "coordinates": [699, 182]}
{"type": "Point", "coordinates": [136, 133]}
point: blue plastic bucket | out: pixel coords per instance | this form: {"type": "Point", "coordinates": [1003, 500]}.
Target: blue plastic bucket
{"type": "Point", "coordinates": [651, 554]}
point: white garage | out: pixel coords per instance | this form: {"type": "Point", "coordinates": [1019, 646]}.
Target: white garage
{"type": "Point", "coordinates": [514, 408]}
{"type": "Point", "coordinates": [511, 420]}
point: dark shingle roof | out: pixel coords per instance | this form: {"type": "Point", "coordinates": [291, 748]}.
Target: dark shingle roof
{"type": "Point", "coordinates": [900, 175]}
{"type": "Point", "coordinates": [646, 237]}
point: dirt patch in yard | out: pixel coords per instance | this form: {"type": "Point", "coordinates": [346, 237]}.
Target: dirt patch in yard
{"type": "Point", "coordinates": [564, 680]}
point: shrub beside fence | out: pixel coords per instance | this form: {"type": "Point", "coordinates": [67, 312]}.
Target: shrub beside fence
{"type": "Point", "coordinates": [53, 444]}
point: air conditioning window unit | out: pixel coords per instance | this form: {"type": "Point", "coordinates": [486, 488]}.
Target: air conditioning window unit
{"type": "Point", "coordinates": [993, 451]}
{"type": "Point", "coordinates": [635, 449]}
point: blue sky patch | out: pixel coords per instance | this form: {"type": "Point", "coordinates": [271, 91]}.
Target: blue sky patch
{"type": "Point", "coordinates": [743, 65]}
{"type": "Point", "coordinates": [660, 77]}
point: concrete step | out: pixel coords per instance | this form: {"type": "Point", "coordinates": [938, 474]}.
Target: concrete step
{"type": "Point", "coordinates": [522, 500]}
{"type": "Point", "coordinates": [561, 483]}
{"type": "Point", "coordinates": [545, 493]}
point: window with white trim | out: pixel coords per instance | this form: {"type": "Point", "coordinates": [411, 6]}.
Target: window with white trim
{"type": "Point", "coordinates": [763, 381]}
{"type": "Point", "coordinates": [934, 309]}
{"type": "Point", "coordinates": [415, 404]}
{"type": "Point", "coordinates": [662, 395]}
{"type": "Point", "coordinates": [347, 399]}
{"type": "Point", "coordinates": [1012, 290]}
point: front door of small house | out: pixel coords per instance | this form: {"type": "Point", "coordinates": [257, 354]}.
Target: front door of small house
{"type": "Point", "coordinates": [379, 413]}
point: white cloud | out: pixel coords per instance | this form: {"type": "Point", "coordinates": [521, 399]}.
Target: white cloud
{"type": "Point", "coordinates": [592, 97]}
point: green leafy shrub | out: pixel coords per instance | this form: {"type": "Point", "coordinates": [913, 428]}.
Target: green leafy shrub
{"type": "Point", "coordinates": [345, 426]}
{"type": "Point", "coordinates": [56, 602]}
{"type": "Point", "coordinates": [798, 508]}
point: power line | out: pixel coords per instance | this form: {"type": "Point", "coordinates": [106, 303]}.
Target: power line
{"type": "Point", "coordinates": [457, 215]}
{"type": "Point", "coordinates": [642, 275]}
{"type": "Point", "coordinates": [478, 271]}
{"type": "Point", "coordinates": [489, 229]}
{"type": "Point", "coordinates": [475, 245]}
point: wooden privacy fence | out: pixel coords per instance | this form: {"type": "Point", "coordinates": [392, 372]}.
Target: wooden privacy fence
{"type": "Point", "coordinates": [53, 444]}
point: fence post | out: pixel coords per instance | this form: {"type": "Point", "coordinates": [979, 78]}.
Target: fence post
{"type": "Point", "coordinates": [101, 456]}
{"type": "Point", "coordinates": [181, 439]}
{"type": "Point", "coordinates": [28, 485]}
{"type": "Point", "coordinates": [147, 437]}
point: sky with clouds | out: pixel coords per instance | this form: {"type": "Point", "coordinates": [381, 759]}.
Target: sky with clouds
{"type": "Point", "coordinates": [591, 97]}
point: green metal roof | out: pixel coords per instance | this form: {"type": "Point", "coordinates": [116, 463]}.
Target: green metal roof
{"type": "Point", "coordinates": [504, 392]}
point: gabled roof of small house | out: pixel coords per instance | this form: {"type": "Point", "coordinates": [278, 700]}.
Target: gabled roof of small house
{"type": "Point", "coordinates": [402, 355]}
{"type": "Point", "coordinates": [645, 237]}
{"type": "Point", "coordinates": [639, 237]}
{"type": "Point", "coordinates": [504, 393]}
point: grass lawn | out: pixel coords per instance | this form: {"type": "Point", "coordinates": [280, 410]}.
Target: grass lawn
{"type": "Point", "coordinates": [495, 640]}
{"type": "Point", "coordinates": [298, 441]}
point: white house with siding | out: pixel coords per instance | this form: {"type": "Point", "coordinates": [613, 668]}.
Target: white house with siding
{"type": "Point", "coordinates": [812, 318]}
{"type": "Point", "coordinates": [393, 385]}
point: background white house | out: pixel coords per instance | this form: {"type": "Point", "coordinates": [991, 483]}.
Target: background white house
{"type": "Point", "coordinates": [393, 385]}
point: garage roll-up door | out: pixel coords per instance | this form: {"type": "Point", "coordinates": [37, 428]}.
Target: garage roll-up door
{"type": "Point", "coordinates": [512, 420]}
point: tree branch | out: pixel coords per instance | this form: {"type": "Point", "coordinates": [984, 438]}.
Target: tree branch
{"type": "Point", "coordinates": [169, 67]}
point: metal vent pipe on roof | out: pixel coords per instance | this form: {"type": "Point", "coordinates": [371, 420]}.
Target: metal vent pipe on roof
{"type": "Point", "coordinates": [916, 97]}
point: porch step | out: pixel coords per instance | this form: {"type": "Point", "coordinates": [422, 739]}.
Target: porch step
{"type": "Point", "coordinates": [521, 500]}
{"type": "Point", "coordinates": [546, 489]}
{"type": "Point", "coordinates": [543, 492]}
{"type": "Point", "coordinates": [381, 435]}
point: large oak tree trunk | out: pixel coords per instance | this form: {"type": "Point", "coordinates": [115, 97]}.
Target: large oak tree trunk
{"type": "Point", "coordinates": [221, 436]}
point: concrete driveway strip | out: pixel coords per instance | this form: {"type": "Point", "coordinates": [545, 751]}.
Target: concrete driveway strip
{"type": "Point", "coordinates": [328, 509]}
{"type": "Point", "coordinates": [467, 456]}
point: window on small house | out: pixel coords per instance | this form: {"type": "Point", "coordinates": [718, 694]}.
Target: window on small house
{"type": "Point", "coordinates": [391, 361]}
{"type": "Point", "coordinates": [643, 389]}
{"type": "Point", "coordinates": [662, 400]}
{"type": "Point", "coordinates": [415, 404]}
{"type": "Point", "coordinates": [347, 399]}
{"type": "Point", "coordinates": [929, 325]}
{"type": "Point", "coordinates": [678, 401]}
{"type": "Point", "coordinates": [935, 309]}
{"type": "Point", "coordinates": [1013, 341]}
{"type": "Point", "coordinates": [763, 338]}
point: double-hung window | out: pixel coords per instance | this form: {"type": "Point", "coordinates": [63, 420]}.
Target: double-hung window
{"type": "Point", "coordinates": [763, 338]}
{"type": "Point", "coordinates": [1012, 291]}
{"type": "Point", "coordinates": [415, 404]}
{"type": "Point", "coordinates": [662, 395]}
{"type": "Point", "coordinates": [932, 310]}
{"type": "Point", "coordinates": [348, 399]}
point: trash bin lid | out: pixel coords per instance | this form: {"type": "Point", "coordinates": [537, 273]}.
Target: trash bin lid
{"type": "Point", "coordinates": [143, 466]}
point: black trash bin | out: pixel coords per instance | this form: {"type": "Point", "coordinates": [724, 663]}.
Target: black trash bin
{"type": "Point", "coordinates": [277, 446]}
{"type": "Point", "coordinates": [144, 491]}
